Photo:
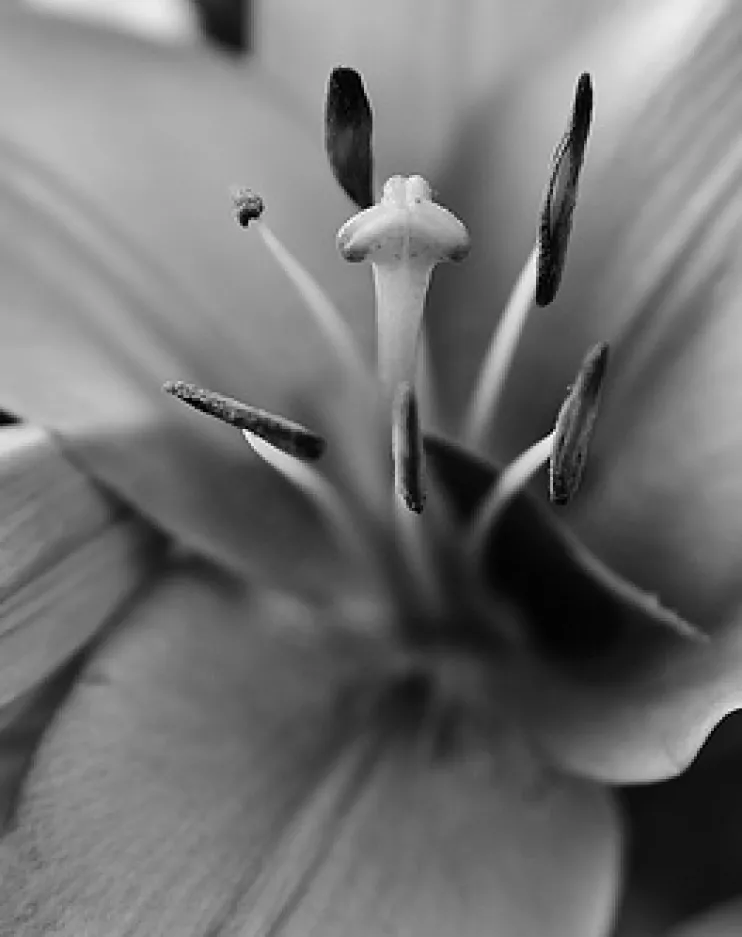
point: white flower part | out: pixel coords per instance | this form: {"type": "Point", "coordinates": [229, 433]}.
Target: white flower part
{"type": "Point", "coordinates": [403, 236]}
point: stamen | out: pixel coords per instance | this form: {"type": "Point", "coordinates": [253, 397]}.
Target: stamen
{"type": "Point", "coordinates": [561, 195]}
{"type": "Point", "coordinates": [540, 278]}
{"type": "Point", "coordinates": [326, 314]}
{"type": "Point", "coordinates": [292, 438]}
{"type": "Point", "coordinates": [348, 128]}
{"type": "Point", "coordinates": [320, 492]}
{"type": "Point", "coordinates": [574, 427]}
{"type": "Point", "coordinates": [404, 236]}
{"type": "Point", "coordinates": [512, 480]}
{"type": "Point", "coordinates": [496, 366]}
{"type": "Point", "coordinates": [407, 449]}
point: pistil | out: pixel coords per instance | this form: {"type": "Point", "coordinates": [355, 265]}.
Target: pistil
{"type": "Point", "coordinates": [404, 236]}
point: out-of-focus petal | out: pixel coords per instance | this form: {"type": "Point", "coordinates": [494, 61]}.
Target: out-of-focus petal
{"type": "Point", "coordinates": [685, 854]}
{"type": "Point", "coordinates": [72, 559]}
{"type": "Point", "coordinates": [22, 725]}
{"type": "Point", "coordinates": [723, 922]}
{"type": "Point", "coordinates": [649, 723]}
{"type": "Point", "coordinates": [122, 268]}
{"type": "Point", "coordinates": [622, 695]}
{"type": "Point", "coordinates": [211, 773]}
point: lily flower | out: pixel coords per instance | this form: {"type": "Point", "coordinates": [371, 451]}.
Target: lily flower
{"type": "Point", "coordinates": [407, 717]}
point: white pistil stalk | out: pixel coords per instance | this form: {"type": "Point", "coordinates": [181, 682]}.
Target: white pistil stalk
{"type": "Point", "coordinates": [498, 360]}
{"type": "Point", "coordinates": [401, 289]}
{"type": "Point", "coordinates": [403, 236]}
{"type": "Point", "coordinates": [513, 479]}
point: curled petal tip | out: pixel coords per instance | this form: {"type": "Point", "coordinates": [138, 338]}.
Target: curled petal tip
{"type": "Point", "coordinates": [575, 425]}
{"type": "Point", "coordinates": [247, 206]}
{"type": "Point", "coordinates": [348, 130]}
{"type": "Point", "coordinates": [407, 446]}
{"type": "Point", "coordinates": [555, 223]}
{"type": "Point", "coordinates": [290, 437]}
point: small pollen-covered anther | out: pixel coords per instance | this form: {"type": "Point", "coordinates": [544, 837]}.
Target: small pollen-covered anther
{"type": "Point", "coordinates": [348, 129]}
{"type": "Point", "coordinates": [407, 449]}
{"type": "Point", "coordinates": [290, 437]}
{"type": "Point", "coordinates": [574, 427]}
{"type": "Point", "coordinates": [247, 206]}
{"type": "Point", "coordinates": [555, 224]}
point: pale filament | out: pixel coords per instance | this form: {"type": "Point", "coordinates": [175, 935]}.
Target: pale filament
{"type": "Point", "coordinates": [512, 480]}
{"type": "Point", "coordinates": [320, 492]}
{"type": "Point", "coordinates": [499, 357]}
{"type": "Point", "coordinates": [326, 314]}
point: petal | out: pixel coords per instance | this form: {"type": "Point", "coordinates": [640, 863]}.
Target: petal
{"type": "Point", "coordinates": [723, 922]}
{"type": "Point", "coordinates": [121, 269]}
{"type": "Point", "coordinates": [209, 774]}
{"type": "Point", "coordinates": [22, 725]}
{"type": "Point", "coordinates": [72, 559]}
{"type": "Point", "coordinates": [624, 696]}
{"type": "Point", "coordinates": [686, 851]}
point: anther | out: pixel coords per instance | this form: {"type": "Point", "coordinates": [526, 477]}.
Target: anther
{"type": "Point", "coordinates": [561, 195]}
{"type": "Point", "coordinates": [574, 427]}
{"type": "Point", "coordinates": [348, 128]}
{"type": "Point", "coordinates": [407, 449]}
{"type": "Point", "coordinates": [403, 236]}
{"type": "Point", "coordinates": [292, 438]}
{"type": "Point", "coordinates": [247, 206]}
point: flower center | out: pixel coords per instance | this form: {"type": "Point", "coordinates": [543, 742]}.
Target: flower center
{"type": "Point", "coordinates": [451, 628]}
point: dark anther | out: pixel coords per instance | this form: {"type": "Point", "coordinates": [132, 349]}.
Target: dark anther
{"type": "Point", "coordinates": [348, 127]}
{"type": "Point", "coordinates": [408, 450]}
{"type": "Point", "coordinates": [574, 427]}
{"type": "Point", "coordinates": [292, 438]}
{"type": "Point", "coordinates": [555, 223]}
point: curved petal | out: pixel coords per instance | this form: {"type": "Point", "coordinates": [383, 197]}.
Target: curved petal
{"type": "Point", "coordinates": [624, 695]}
{"type": "Point", "coordinates": [121, 268]}
{"type": "Point", "coordinates": [22, 725]}
{"type": "Point", "coordinates": [686, 851]}
{"type": "Point", "coordinates": [723, 922]}
{"type": "Point", "coordinates": [650, 724]}
{"type": "Point", "coordinates": [210, 773]}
